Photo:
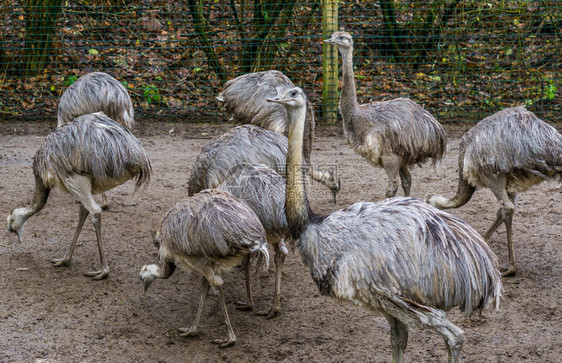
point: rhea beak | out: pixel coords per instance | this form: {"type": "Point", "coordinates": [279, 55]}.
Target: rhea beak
{"type": "Point", "coordinates": [146, 277]}
{"type": "Point", "coordinates": [335, 191]}
{"type": "Point", "coordinates": [329, 41]}
{"type": "Point", "coordinates": [275, 99]}
{"type": "Point", "coordinates": [146, 283]}
{"type": "Point", "coordinates": [16, 231]}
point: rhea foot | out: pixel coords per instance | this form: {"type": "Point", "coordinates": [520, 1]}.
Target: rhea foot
{"type": "Point", "coordinates": [98, 275]}
{"type": "Point", "coordinates": [510, 271]}
{"type": "Point", "coordinates": [188, 332]}
{"type": "Point", "coordinates": [223, 343]}
{"type": "Point", "coordinates": [242, 305]}
{"type": "Point", "coordinates": [57, 262]}
{"type": "Point", "coordinates": [272, 313]}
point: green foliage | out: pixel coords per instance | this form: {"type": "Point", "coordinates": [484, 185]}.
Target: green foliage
{"type": "Point", "coordinates": [70, 80]}
{"type": "Point", "coordinates": [151, 93]}
{"type": "Point", "coordinates": [550, 90]}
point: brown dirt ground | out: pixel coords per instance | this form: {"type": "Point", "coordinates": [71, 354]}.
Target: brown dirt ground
{"type": "Point", "coordinates": [56, 314]}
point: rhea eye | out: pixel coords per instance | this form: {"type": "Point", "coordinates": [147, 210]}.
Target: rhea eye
{"type": "Point", "coordinates": [294, 94]}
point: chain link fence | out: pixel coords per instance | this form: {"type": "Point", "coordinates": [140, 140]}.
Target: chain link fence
{"type": "Point", "coordinates": [462, 60]}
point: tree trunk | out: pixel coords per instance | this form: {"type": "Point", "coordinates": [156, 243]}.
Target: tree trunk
{"type": "Point", "coordinates": [392, 32]}
{"type": "Point", "coordinates": [432, 31]}
{"type": "Point", "coordinates": [40, 27]}
{"type": "Point", "coordinates": [202, 29]}
{"type": "Point", "coordinates": [269, 18]}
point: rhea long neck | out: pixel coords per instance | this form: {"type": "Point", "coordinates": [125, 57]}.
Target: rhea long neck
{"type": "Point", "coordinates": [348, 99]}
{"type": "Point", "coordinates": [40, 197]}
{"type": "Point", "coordinates": [165, 270]}
{"type": "Point", "coordinates": [296, 203]}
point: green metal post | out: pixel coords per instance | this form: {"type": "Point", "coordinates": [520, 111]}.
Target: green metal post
{"type": "Point", "coordinates": [330, 62]}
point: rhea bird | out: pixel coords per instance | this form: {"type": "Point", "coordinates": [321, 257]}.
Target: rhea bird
{"type": "Point", "coordinates": [242, 145]}
{"type": "Point", "coordinates": [245, 98]}
{"type": "Point", "coordinates": [263, 190]}
{"type": "Point", "coordinates": [208, 233]}
{"type": "Point", "coordinates": [392, 134]}
{"type": "Point", "coordinates": [94, 92]}
{"type": "Point", "coordinates": [401, 257]}
{"type": "Point", "coordinates": [88, 156]}
{"type": "Point", "coordinates": [507, 152]}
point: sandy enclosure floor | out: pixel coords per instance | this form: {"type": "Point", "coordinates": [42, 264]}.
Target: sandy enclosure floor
{"type": "Point", "coordinates": [57, 314]}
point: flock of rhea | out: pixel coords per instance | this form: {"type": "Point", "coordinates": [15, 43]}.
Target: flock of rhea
{"type": "Point", "coordinates": [402, 257]}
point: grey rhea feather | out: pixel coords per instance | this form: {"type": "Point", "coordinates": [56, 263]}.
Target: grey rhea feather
{"type": "Point", "coordinates": [245, 98]}
{"type": "Point", "coordinates": [263, 190]}
{"type": "Point", "coordinates": [242, 145]}
{"type": "Point", "coordinates": [87, 156]}
{"type": "Point", "coordinates": [392, 134]}
{"type": "Point", "coordinates": [507, 152]}
{"type": "Point", "coordinates": [96, 146]}
{"type": "Point", "coordinates": [401, 257]}
{"type": "Point", "coordinates": [208, 233]}
{"type": "Point", "coordinates": [94, 92]}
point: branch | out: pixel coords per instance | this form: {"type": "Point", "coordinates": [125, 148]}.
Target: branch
{"type": "Point", "coordinates": [202, 29]}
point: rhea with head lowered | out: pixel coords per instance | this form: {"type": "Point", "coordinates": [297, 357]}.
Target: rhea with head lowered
{"type": "Point", "coordinates": [401, 257]}
{"type": "Point", "coordinates": [208, 233]}
{"type": "Point", "coordinates": [87, 156]}
{"type": "Point", "coordinates": [245, 98]}
{"type": "Point", "coordinates": [507, 152]}
{"type": "Point", "coordinates": [393, 134]}
{"type": "Point", "coordinates": [96, 92]}
{"type": "Point", "coordinates": [263, 190]}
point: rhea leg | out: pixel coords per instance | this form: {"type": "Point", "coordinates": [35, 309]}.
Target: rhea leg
{"type": "Point", "coordinates": [406, 180]}
{"type": "Point", "coordinates": [398, 338]}
{"type": "Point", "coordinates": [65, 261]}
{"type": "Point", "coordinates": [249, 304]}
{"type": "Point", "coordinates": [495, 225]}
{"type": "Point", "coordinates": [230, 338]}
{"type": "Point", "coordinates": [279, 261]}
{"type": "Point", "coordinates": [104, 202]}
{"type": "Point", "coordinates": [508, 218]}
{"type": "Point", "coordinates": [194, 330]}
{"type": "Point", "coordinates": [104, 269]}
{"type": "Point", "coordinates": [453, 336]}
{"type": "Point", "coordinates": [432, 319]}
{"type": "Point", "coordinates": [81, 187]}
{"type": "Point", "coordinates": [505, 214]}
{"type": "Point", "coordinates": [391, 165]}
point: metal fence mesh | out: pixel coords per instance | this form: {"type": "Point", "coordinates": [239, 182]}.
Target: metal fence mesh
{"type": "Point", "coordinates": [462, 60]}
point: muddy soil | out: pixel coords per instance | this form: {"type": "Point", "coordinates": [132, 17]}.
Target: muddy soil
{"type": "Point", "coordinates": [50, 314]}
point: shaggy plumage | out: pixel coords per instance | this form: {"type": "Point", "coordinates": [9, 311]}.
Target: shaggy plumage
{"type": "Point", "coordinates": [88, 156]}
{"type": "Point", "coordinates": [507, 152]}
{"type": "Point", "coordinates": [245, 98]}
{"type": "Point", "coordinates": [391, 134]}
{"type": "Point", "coordinates": [242, 145]}
{"type": "Point", "coordinates": [401, 257]}
{"type": "Point", "coordinates": [94, 92]}
{"type": "Point", "coordinates": [263, 190]}
{"type": "Point", "coordinates": [208, 233]}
